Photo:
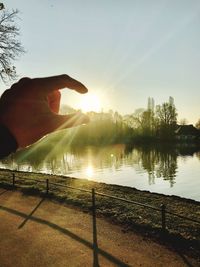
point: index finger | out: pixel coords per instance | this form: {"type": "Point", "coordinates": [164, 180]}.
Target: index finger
{"type": "Point", "coordinates": [49, 84]}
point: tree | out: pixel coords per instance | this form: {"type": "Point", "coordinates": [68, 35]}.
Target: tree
{"type": "Point", "coordinates": [167, 118]}
{"type": "Point", "coordinates": [135, 119]}
{"type": "Point", "coordinates": [151, 104]}
{"type": "Point", "coordinates": [197, 125]}
{"type": "Point", "coordinates": [10, 46]}
{"type": "Point", "coordinates": [147, 122]}
{"type": "Point", "coordinates": [183, 121]}
{"type": "Point", "coordinates": [143, 119]}
{"type": "Point", "coordinates": [1, 6]}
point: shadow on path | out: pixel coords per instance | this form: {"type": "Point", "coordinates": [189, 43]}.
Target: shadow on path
{"type": "Point", "coordinates": [29, 216]}
{"type": "Point", "coordinates": [1, 193]}
{"type": "Point", "coordinates": [103, 253]}
{"type": "Point", "coordinates": [185, 260]}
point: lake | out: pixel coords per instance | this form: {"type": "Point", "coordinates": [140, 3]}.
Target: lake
{"type": "Point", "coordinates": [171, 170]}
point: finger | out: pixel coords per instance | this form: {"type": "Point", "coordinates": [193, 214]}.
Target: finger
{"type": "Point", "coordinates": [21, 83]}
{"type": "Point", "coordinates": [54, 101]}
{"type": "Point", "coordinates": [50, 84]}
{"type": "Point", "coordinates": [59, 122]}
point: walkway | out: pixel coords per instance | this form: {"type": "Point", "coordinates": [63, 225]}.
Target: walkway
{"type": "Point", "coordinates": [39, 232]}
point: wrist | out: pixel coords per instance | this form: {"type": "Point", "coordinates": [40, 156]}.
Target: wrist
{"type": "Point", "coordinates": [8, 143]}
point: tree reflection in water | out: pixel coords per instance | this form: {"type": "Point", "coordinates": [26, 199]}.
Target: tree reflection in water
{"type": "Point", "coordinates": [159, 161]}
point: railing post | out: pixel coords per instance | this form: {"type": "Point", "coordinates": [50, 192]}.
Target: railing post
{"type": "Point", "coordinates": [95, 244]}
{"type": "Point", "coordinates": [163, 216]}
{"type": "Point", "coordinates": [13, 180]}
{"type": "Point", "coordinates": [47, 186]}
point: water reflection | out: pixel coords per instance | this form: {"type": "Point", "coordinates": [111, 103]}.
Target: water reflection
{"type": "Point", "coordinates": [160, 164]}
{"type": "Point", "coordinates": [114, 161]}
{"type": "Point", "coordinates": [90, 171]}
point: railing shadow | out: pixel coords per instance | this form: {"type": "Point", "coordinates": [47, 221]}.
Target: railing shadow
{"type": "Point", "coordinates": [185, 260]}
{"type": "Point", "coordinates": [58, 228]}
{"type": "Point", "coordinates": [3, 192]}
{"type": "Point", "coordinates": [29, 216]}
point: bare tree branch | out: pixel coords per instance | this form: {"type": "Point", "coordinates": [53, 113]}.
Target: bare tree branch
{"type": "Point", "coordinates": [10, 46]}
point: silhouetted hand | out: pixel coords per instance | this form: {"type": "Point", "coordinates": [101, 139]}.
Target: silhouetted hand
{"type": "Point", "coordinates": [29, 108]}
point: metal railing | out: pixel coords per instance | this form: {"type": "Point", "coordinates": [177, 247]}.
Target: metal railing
{"type": "Point", "coordinates": [162, 209]}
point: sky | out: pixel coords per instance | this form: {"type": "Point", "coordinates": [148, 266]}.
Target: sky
{"type": "Point", "coordinates": [124, 51]}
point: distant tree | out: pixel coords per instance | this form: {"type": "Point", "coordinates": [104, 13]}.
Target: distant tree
{"type": "Point", "coordinates": [1, 6]}
{"type": "Point", "coordinates": [150, 116]}
{"type": "Point", "coordinates": [151, 104]}
{"type": "Point", "coordinates": [136, 118]}
{"type": "Point", "coordinates": [143, 119]}
{"type": "Point", "coordinates": [183, 121]}
{"type": "Point", "coordinates": [167, 118]}
{"type": "Point", "coordinates": [111, 112]}
{"type": "Point", "coordinates": [147, 122]}
{"type": "Point", "coordinates": [117, 117]}
{"type": "Point", "coordinates": [197, 125]}
{"type": "Point", "coordinates": [10, 46]}
{"type": "Point", "coordinates": [65, 109]}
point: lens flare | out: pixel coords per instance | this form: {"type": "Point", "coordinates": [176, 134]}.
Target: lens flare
{"type": "Point", "coordinates": [90, 102]}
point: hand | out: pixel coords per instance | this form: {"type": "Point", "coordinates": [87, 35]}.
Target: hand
{"type": "Point", "coordinates": [29, 109]}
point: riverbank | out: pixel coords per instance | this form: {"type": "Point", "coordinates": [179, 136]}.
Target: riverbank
{"type": "Point", "coordinates": [132, 217]}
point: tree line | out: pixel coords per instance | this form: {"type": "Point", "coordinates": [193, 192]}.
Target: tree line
{"type": "Point", "coordinates": [156, 122]}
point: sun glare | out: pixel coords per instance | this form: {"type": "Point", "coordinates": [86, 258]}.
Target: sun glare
{"type": "Point", "coordinates": [89, 171]}
{"type": "Point", "coordinates": [90, 102]}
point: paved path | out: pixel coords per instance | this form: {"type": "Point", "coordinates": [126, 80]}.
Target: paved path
{"type": "Point", "coordinates": [36, 232]}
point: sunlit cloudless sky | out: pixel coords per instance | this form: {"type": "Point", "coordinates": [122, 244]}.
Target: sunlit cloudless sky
{"type": "Point", "coordinates": [123, 50]}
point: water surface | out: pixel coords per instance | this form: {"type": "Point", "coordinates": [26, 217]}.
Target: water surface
{"type": "Point", "coordinates": [171, 170]}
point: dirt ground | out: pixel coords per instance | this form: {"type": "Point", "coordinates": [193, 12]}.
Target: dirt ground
{"type": "Point", "coordinates": [39, 232]}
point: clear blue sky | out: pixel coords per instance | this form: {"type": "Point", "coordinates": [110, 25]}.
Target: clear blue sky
{"type": "Point", "coordinates": [125, 50]}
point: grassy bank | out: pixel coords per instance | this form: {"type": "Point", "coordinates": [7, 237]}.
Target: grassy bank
{"type": "Point", "coordinates": [130, 216]}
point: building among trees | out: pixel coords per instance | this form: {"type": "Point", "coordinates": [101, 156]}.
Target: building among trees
{"type": "Point", "coordinates": [187, 132]}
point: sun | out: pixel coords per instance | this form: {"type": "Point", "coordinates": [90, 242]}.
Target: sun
{"type": "Point", "coordinates": [90, 102]}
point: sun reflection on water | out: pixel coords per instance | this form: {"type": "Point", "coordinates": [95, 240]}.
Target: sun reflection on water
{"type": "Point", "coordinates": [89, 171]}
